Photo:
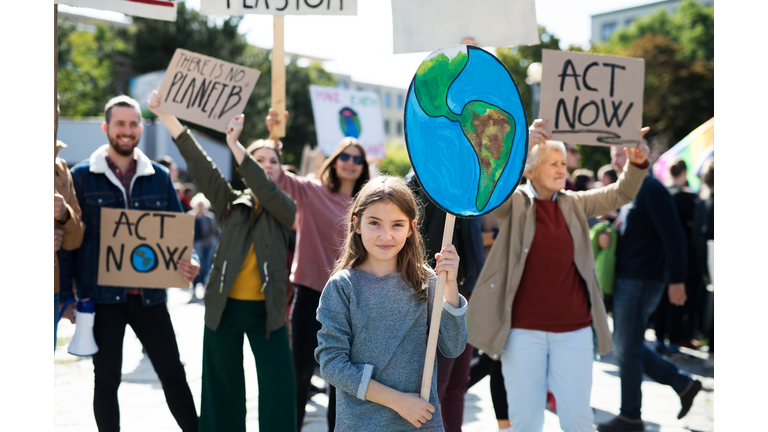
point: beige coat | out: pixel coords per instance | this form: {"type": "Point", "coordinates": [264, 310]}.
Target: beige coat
{"type": "Point", "coordinates": [74, 227]}
{"type": "Point", "coordinates": [489, 314]}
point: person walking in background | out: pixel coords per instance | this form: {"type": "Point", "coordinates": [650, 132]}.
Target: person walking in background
{"type": "Point", "coordinates": [374, 314]}
{"type": "Point", "coordinates": [119, 175]}
{"type": "Point", "coordinates": [531, 304]}
{"type": "Point", "coordinates": [68, 229]}
{"type": "Point", "coordinates": [607, 175]}
{"type": "Point", "coordinates": [206, 237]}
{"type": "Point", "coordinates": [572, 158]}
{"type": "Point", "coordinates": [704, 232]}
{"type": "Point", "coordinates": [321, 211]}
{"type": "Point", "coordinates": [650, 262]}
{"type": "Point", "coordinates": [246, 294]}
{"type": "Point", "coordinates": [677, 323]}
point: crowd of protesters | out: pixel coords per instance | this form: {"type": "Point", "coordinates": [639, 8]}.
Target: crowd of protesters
{"type": "Point", "coordinates": [538, 278]}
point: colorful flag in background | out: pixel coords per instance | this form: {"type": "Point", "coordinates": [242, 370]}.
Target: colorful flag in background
{"type": "Point", "coordinates": [694, 149]}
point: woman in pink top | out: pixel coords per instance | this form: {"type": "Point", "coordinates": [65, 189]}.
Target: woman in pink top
{"type": "Point", "coordinates": [321, 208]}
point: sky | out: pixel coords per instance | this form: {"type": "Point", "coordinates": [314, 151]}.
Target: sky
{"type": "Point", "coordinates": [361, 46]}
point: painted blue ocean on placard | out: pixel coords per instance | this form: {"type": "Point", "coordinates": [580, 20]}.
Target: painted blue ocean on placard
{"type": "Point", "coordinates": [466, 130]}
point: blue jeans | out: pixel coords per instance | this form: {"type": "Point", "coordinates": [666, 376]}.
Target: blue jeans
{"type": "Point", "coordinates": [206, 260]}
{"type": "Point", "coordinates": [634, 301]}
{"type": "Point", "coordinates": [55, 318]}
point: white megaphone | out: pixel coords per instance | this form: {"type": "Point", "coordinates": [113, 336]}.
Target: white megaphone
{"type": "Point", "coordinates": [83, 343]}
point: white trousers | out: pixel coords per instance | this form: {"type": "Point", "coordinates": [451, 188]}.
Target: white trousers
{"type": "Point", "coordinates": [533, 361]}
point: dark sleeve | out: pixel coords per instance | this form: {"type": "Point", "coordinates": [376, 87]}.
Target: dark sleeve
{"type": "Point", "coordinates": [66, 274]}
{"type": "Point", "coordinates": [699, 237]}
{"type": "Point", "coordinates": [277, 202]}
{"type": "Point", "coordinates": [664, 218]}
{"type": "Point", "coordinates": [207, 175]}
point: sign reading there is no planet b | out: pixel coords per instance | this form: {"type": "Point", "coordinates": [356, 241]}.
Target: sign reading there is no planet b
{"type": "Point", "coordinates": [142, 248]}
{"type": "Point", "coordinates": [205, 90]}
{"type": "Point", "coordinates": [591, 98]}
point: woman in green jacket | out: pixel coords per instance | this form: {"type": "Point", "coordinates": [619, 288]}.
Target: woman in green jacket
{"type": "Point", "coordinates": [246, 292]}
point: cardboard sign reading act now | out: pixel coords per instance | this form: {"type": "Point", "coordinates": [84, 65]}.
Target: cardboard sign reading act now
{"type": "Point", "coordinates": [205, 90]}
{"type": "Point", "coordinates": [142, 248]}
{"type": "Point", "coordinates": [591, 98]}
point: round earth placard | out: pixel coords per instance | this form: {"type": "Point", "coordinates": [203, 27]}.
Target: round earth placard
{"type": "Point", "coordinates": [466, 130]}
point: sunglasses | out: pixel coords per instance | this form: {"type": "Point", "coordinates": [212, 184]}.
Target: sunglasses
{"type": "Point", "coordinates": [358, 160]}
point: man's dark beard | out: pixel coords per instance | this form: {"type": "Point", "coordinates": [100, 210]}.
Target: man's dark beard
{"type": "Point", "coordinates": [116, 147]}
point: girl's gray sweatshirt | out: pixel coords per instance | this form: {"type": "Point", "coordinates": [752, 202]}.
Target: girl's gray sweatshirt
{"type": "Point", "coordinates": [373, 329]}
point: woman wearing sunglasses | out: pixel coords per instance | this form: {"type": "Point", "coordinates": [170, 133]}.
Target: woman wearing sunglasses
{"type": "Point", "coordinates": [321, 206]}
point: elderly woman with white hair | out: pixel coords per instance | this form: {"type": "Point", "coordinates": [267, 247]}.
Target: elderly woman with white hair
{"type": "Point", "coordinates": [537, 300]}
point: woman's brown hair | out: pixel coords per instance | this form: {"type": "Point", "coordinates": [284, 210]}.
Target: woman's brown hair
{"type": "Point", "coordinates": [264, 143]}
{"type": "Point", "coordinates": [677, 168]}
{"type": "Point", "coordinates": [410, 260]}
{"type": "Point", "coordinates": [328, 173]}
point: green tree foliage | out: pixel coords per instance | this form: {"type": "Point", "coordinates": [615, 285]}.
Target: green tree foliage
{"type": "Point", "coordinates": [517, 60]}
{"type": "Point", "coordinates": [679, 69]}
{"type": "Point", "coordinates": [89, 63]}
{"type": "Point", "coordinates": [397, 162]}
{"type": "Point", "coordinates": [155, 41]}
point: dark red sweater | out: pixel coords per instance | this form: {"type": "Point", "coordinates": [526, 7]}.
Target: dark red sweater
{"type": "Point", "coordinates": [552, 295]}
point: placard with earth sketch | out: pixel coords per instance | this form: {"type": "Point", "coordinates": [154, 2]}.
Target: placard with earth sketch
{"type": "Point", "coordinates": [341, 113]}
{"type": "Point", "coordinates": [466, 130]}
{"type": "Point", "coordinates": [141, 248]}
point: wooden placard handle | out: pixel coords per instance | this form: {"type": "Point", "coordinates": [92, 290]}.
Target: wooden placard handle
{"type": "Point", "coordinates": [278, 77]}
{"type": "Point", "coordinates": [437, 310]}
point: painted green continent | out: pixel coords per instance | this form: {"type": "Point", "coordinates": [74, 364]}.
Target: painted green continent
{"type": "Point", "coordinates": [439, 69]}
{"type": "Point", "coordinates": [491, 131]}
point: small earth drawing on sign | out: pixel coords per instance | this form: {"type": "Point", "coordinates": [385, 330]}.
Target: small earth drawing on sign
{"type": "Point", "coordinates": [466, 130]}
{"type": "Point", "coordinates": [349, 122]}
{"type": "Point", "coordinates": [143, 259]}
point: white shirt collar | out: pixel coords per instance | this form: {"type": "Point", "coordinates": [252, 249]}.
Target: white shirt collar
{"type": "Point", "coordinates": [536, 194]}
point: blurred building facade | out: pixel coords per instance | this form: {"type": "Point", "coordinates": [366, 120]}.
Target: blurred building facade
{"type": "Point", "coordinates": [607, 23]}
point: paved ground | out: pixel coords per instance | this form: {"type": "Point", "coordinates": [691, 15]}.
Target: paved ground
{"type": "Point", "coordinates": [143, 408]}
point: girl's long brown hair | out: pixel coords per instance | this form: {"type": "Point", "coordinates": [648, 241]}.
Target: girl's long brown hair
{"type": "Point", "coordinates": [328, 173]}
{"type": "Point", "coordinates": [410, 260]}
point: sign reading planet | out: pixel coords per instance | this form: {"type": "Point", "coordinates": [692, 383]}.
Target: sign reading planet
{"type": "Point", "coordinates": [466, 130]}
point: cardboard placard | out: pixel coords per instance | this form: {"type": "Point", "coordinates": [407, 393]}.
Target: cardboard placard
{"type": "Point", "coordinates": [340, 113]}
{"type": "Point", "coordinates": [591, 98]}
{"type": "Point", "coordinates": [205, 90]}
{"type": "Point", "coordinates": [278, 7]}
{"type": "Point", "coordinates": [141, 248]}
{"type": "Point", "coordinates": [426, 25]}
{"type": "Point", "coordinates": [156, 9]}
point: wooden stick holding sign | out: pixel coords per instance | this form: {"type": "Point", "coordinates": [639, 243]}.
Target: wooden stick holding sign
{"type": "Point", "coordinates": [437, 312]}
{"type": "Point", "coordinates": [482, 139]}
{"type": "Point", "coordinates": [278, 76]}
